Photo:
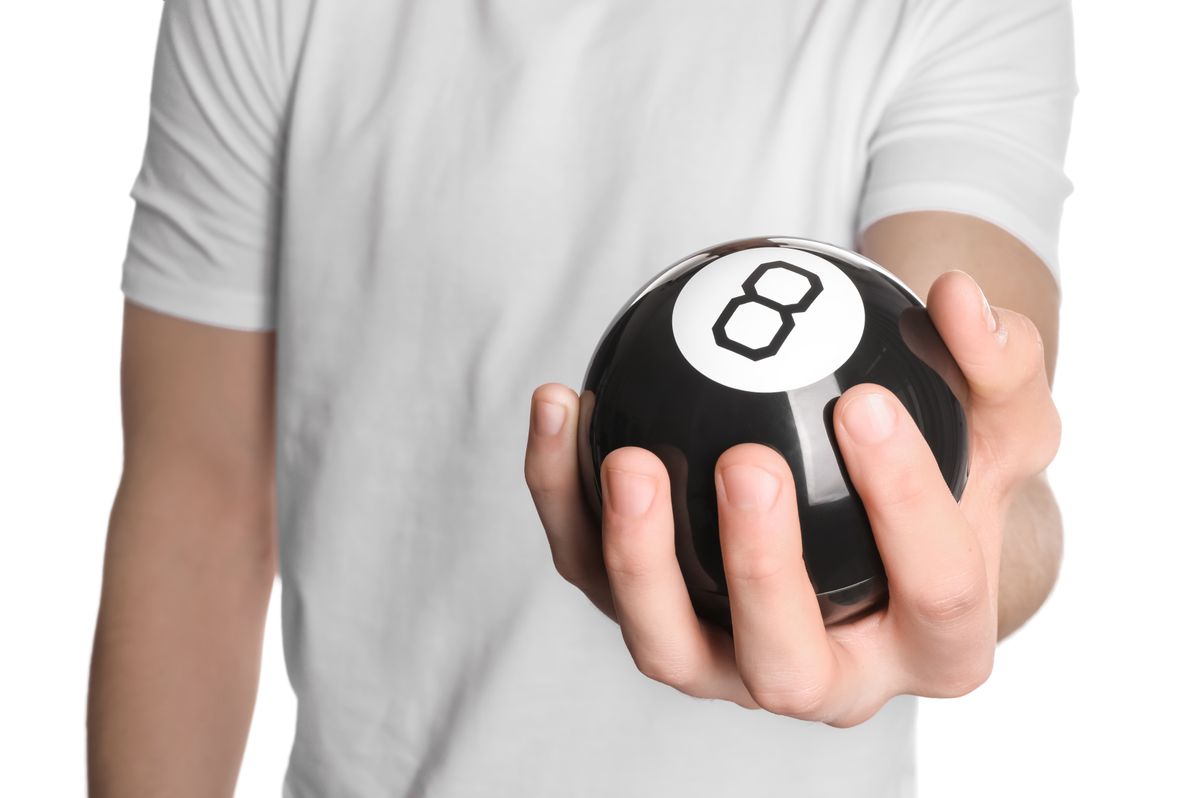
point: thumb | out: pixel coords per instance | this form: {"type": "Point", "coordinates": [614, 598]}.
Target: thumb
{"type": "Point", "coordinates": [1010, 411]}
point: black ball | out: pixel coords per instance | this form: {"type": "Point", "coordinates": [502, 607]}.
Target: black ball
{"type": "Point", "coordinates": [754, 341]}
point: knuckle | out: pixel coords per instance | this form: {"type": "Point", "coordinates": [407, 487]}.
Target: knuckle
{"type": "Point", "coordinates": [949, 604]}
{"type": "Point", "coordinates": [803, 701]}
{"type": "Point", "coordinates": [856, 717]}
{"type": "Point", "coordinates": [1016, 457]}
{"type": "Point", "coordinates": [1053, 436]}
{"type": "Point", "coordinates": [798, 695]}
{"type": "Point", "coordinates": [1031, 371]}
{"type": "Point", "coordinates": [1047, 442]}
{"type": "Point", "coordinates": [1037, 447]}
{"type": "Point", "coordinates": [567, 568]}
{"type": "Point", "coordinates": [670, 669]}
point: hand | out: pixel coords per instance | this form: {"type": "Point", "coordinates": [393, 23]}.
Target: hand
{"type": "Point", "coordinates": [937, 634]}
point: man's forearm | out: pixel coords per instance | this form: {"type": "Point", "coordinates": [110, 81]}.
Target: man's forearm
{"type": "Point", "coordinates": [187, 577]}
{"type": "Point", "coordinates": [1031, 556]}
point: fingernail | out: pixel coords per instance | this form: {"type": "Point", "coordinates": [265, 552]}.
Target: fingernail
{"type": "Point", "coordinates": [989, 315]}
{"type": "Point", "coordinates": [548, 417]}
{"type": "Point", "coordinates": [629, 494]}
{"type": "Point", "coordinates": [999, 328]}
{"type": "Point", "coordinates": [869, 418]}
{"type": "Point", "coordinates": [749, 487]}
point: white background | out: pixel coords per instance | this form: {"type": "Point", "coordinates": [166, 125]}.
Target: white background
{"type": "Point", "coordinates": [1098, 696]}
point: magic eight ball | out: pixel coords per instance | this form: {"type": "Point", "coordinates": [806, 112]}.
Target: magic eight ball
{"type": "Point", "coordinates": [753, 341]}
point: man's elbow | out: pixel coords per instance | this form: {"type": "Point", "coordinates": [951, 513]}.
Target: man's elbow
{"type": "Point", "coordinates": [201, 512]}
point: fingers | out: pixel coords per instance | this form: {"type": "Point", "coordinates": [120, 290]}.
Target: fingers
{"type": "Point", "coordinates": [787, 662]}
{"type": "Point", "coordinates": [942, 607]}
{"type": "Point", "coordinates": [668, 642]}
{"type": "Point", "coordinates": [552, 474]}
{"type": "Point", "coordinates": [1001, 356]}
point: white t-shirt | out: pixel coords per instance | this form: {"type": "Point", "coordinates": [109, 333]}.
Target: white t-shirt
{"type": "Point", "coordinates": [439, 205]}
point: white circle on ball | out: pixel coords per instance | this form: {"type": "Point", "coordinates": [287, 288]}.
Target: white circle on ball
{"type": "Point", "coordinates": [742, 338]}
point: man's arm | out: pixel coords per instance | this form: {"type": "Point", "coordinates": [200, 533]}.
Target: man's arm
{"type": "Point", "coordinates": [189, 563]}
{"type": "Point", "coordinates": [918, 247]}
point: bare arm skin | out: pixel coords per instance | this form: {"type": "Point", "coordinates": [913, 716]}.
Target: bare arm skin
{"type": "Point", "coordinates": [918, 247]}
{"type": "Point", "coordinates": [189, 563]}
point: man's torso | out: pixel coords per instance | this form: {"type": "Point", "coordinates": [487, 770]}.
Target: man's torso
{"type": "Point", "coordinates": [472, 190]}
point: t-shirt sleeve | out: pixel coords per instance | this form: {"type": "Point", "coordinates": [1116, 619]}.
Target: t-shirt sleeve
{"type": "Point", "coordinates": [978, 123]}
{"type": "Point", "coordinates": [202, 243]}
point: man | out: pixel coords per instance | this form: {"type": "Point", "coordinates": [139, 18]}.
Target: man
{"type": "Point", "coordinates": [364, 233]}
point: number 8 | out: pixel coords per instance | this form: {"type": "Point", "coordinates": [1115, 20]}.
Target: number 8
{"type": "Point", "coordinates": [750, 296]}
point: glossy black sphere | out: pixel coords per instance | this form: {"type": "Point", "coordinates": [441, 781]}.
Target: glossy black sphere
{"type": "Point", "coordinates": [758, 350]}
